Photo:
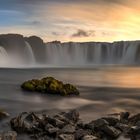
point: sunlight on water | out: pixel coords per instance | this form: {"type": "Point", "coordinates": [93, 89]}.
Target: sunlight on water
{"type": "Point", "coordinates": [107, 76]}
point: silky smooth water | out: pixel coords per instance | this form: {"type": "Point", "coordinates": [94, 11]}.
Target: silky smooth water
{"type": "Point", "coordinates": [104, 90]}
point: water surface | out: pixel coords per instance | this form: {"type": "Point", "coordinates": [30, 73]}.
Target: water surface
{"type": "Point", "coordinates": [104, 90]}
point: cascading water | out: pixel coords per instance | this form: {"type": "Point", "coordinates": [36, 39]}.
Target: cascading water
{"type": "Point", "coordinates": [130, 53]}
{"type": "Point", "coordinates": [70, 54]}
{"type": "Point", "coordinates": [92, 53]}
{"type": "Point", "coordinates": [29, 53]}
{"type": "Point", "coordinates": [4, 59]}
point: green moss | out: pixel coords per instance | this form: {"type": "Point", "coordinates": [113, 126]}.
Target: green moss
{"type": "Point", "coordinates": [41, 88]}
{"type": "Point", "coordinates": [70, 89]}
{"type": "Point", "coordinates": [50, 85]}
{"type": "Point", "coordinates": [28, 86]}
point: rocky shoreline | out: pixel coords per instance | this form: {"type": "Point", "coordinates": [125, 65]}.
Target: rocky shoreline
{"type": "Point", "coordinates": [69, 126]}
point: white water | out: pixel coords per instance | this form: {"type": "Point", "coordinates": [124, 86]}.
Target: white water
{"type": "Point", "coordinates": [3, 56]}
{"type": "Point", "coordinates": [29, 53]}
{"type": "Point", "coordinates": [93, 53]}
{"type": "Point", "coordinates": [74, 54]}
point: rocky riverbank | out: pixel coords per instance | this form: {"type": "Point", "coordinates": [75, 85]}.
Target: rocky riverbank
{"type": "Point", "coordinates": [69, 126]}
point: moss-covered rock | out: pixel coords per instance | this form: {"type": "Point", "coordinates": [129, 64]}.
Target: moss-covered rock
{"type": "Point", "coordinates": [28, 86]}
{"type": "Point", "coordinates": [50, 85]}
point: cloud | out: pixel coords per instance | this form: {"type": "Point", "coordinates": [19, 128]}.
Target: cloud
{"type": "Point", "coordinates": [72, 20]}
{"type": "Point", "coordinates": [83, 33]}
{"type": "Point", "coordinates": [55, 33]}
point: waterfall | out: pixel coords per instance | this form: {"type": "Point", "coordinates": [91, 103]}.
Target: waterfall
{"type": "Point", "coordinates": [70, 54]}
{"type": "Point", "coordinates": [93, 53]}
{"type": "Point", "coordinates": [4, 59]}
{"type": "Point", "coordinates": [29, 53]}
{"type": "Point", "coordinates": [130, 53]}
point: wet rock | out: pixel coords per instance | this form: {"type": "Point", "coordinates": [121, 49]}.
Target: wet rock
{"type": "Point", "coordinates": [80, 125]}
{"type": "Point", "coordinates": [111, 120]}
{"type": "Point", "coordinates": [9, 135]}
{"type": "Point", "coordinates": [72, 115]}
{"type": "Point", "coordinates": [52, 131]}
{"type": "Point", "coordinates": [25, 123]}
{"type": "Point", "coordinates": [138, 123]}
{"type": "Point", "coordinates": [3, 114]}
{"type": "Point", "coordinates": [122, 127]}
{"type": "Point", "coordinates": [99, 123]}
{"type": "Point", "coordinates": [110, 131]}
{"type": "Point", "coordinates": [134, 119]}
{"type": "Point", "coordinates": [137, 137]}
{"type": "Point", "coordinates": [66, 137]}
{"type": "Point", "coordinates": [89, 137]}
{"type": "Point", "coordinates": [124, 116]}
{"type": "Point", "coordinates": [56, 122]}
{"type": "Point", "coordinates": [50, 85]}
{"type": "Point", "coordinates": [134, 130]}
{"type": "Point", "coordinates": [96, 124]}
{"type": "Point", "coordinates": [81, 133]}
{"type": "Point", "coordinates": [45, 138]}
{"type": "Point", "coordinates": [19, 125]}
{"type": "Point", "coordinates": [68, 129]}
{"type": "Point", "coordinates": [61, 118]}
{"type": "Point", "coordinates": [41, 136]}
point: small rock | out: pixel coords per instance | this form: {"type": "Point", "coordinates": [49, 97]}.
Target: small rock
{"type": "Point", "coordinates": [124, 116]}
{"type": "Point", "coordinates": [89, 137]}
{"type": "Point", "coordinates": [80, 125]}
{"type": "Point", "coordinates": [56, 122]}
{"type": "Point", "coordinates": [111, 120]}
{"type": "Point", "coordinates": [51, 130]}
{"type": "Point", "coordinates": [61, 118]}
{"type": "Point", "coordinates": [110, 131]}
{"type": "Point", "coordinates": [100, 122]}
{"type": "Point", "coordinates": [137, 137]}
{"type": "Point", "coordinates": [10, 135]}
{"type": "Point", "coordinates": [80, 133]}
{"type": "Point", "coordinates": [138, 123]}
{"type": "Point", "coordinates": [72, 115]}
{"type": "Point", "coordinates": [66, 137]}
{"type": "Point", "coordinates": [97, 124]}
{"type": "Point", "coordinates": [134, 130]}
{"type": "Point", "coordinates": [68, 129]}
{"type": "Point", "coordinates": [122, 127]}
{"type": "Point", "coordinates": [134, 119]}
{"type": "Point", "coordinates": [3, 114]}
{"type": "Point", "coordinates": [23, 123]}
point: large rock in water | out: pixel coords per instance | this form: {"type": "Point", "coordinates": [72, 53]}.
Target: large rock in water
{"type": "Point", "coordinates": [50, 85]}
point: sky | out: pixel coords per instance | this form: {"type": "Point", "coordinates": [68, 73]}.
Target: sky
{"type": "Point", "coordinates": [72, 20]}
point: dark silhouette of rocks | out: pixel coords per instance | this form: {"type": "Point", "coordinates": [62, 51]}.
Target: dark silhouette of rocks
{"type": "Point", "coordinates": [69, 126]}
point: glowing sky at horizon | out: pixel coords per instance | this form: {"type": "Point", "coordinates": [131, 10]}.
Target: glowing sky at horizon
{"type": "Point", "coordinates": [72, 20]}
